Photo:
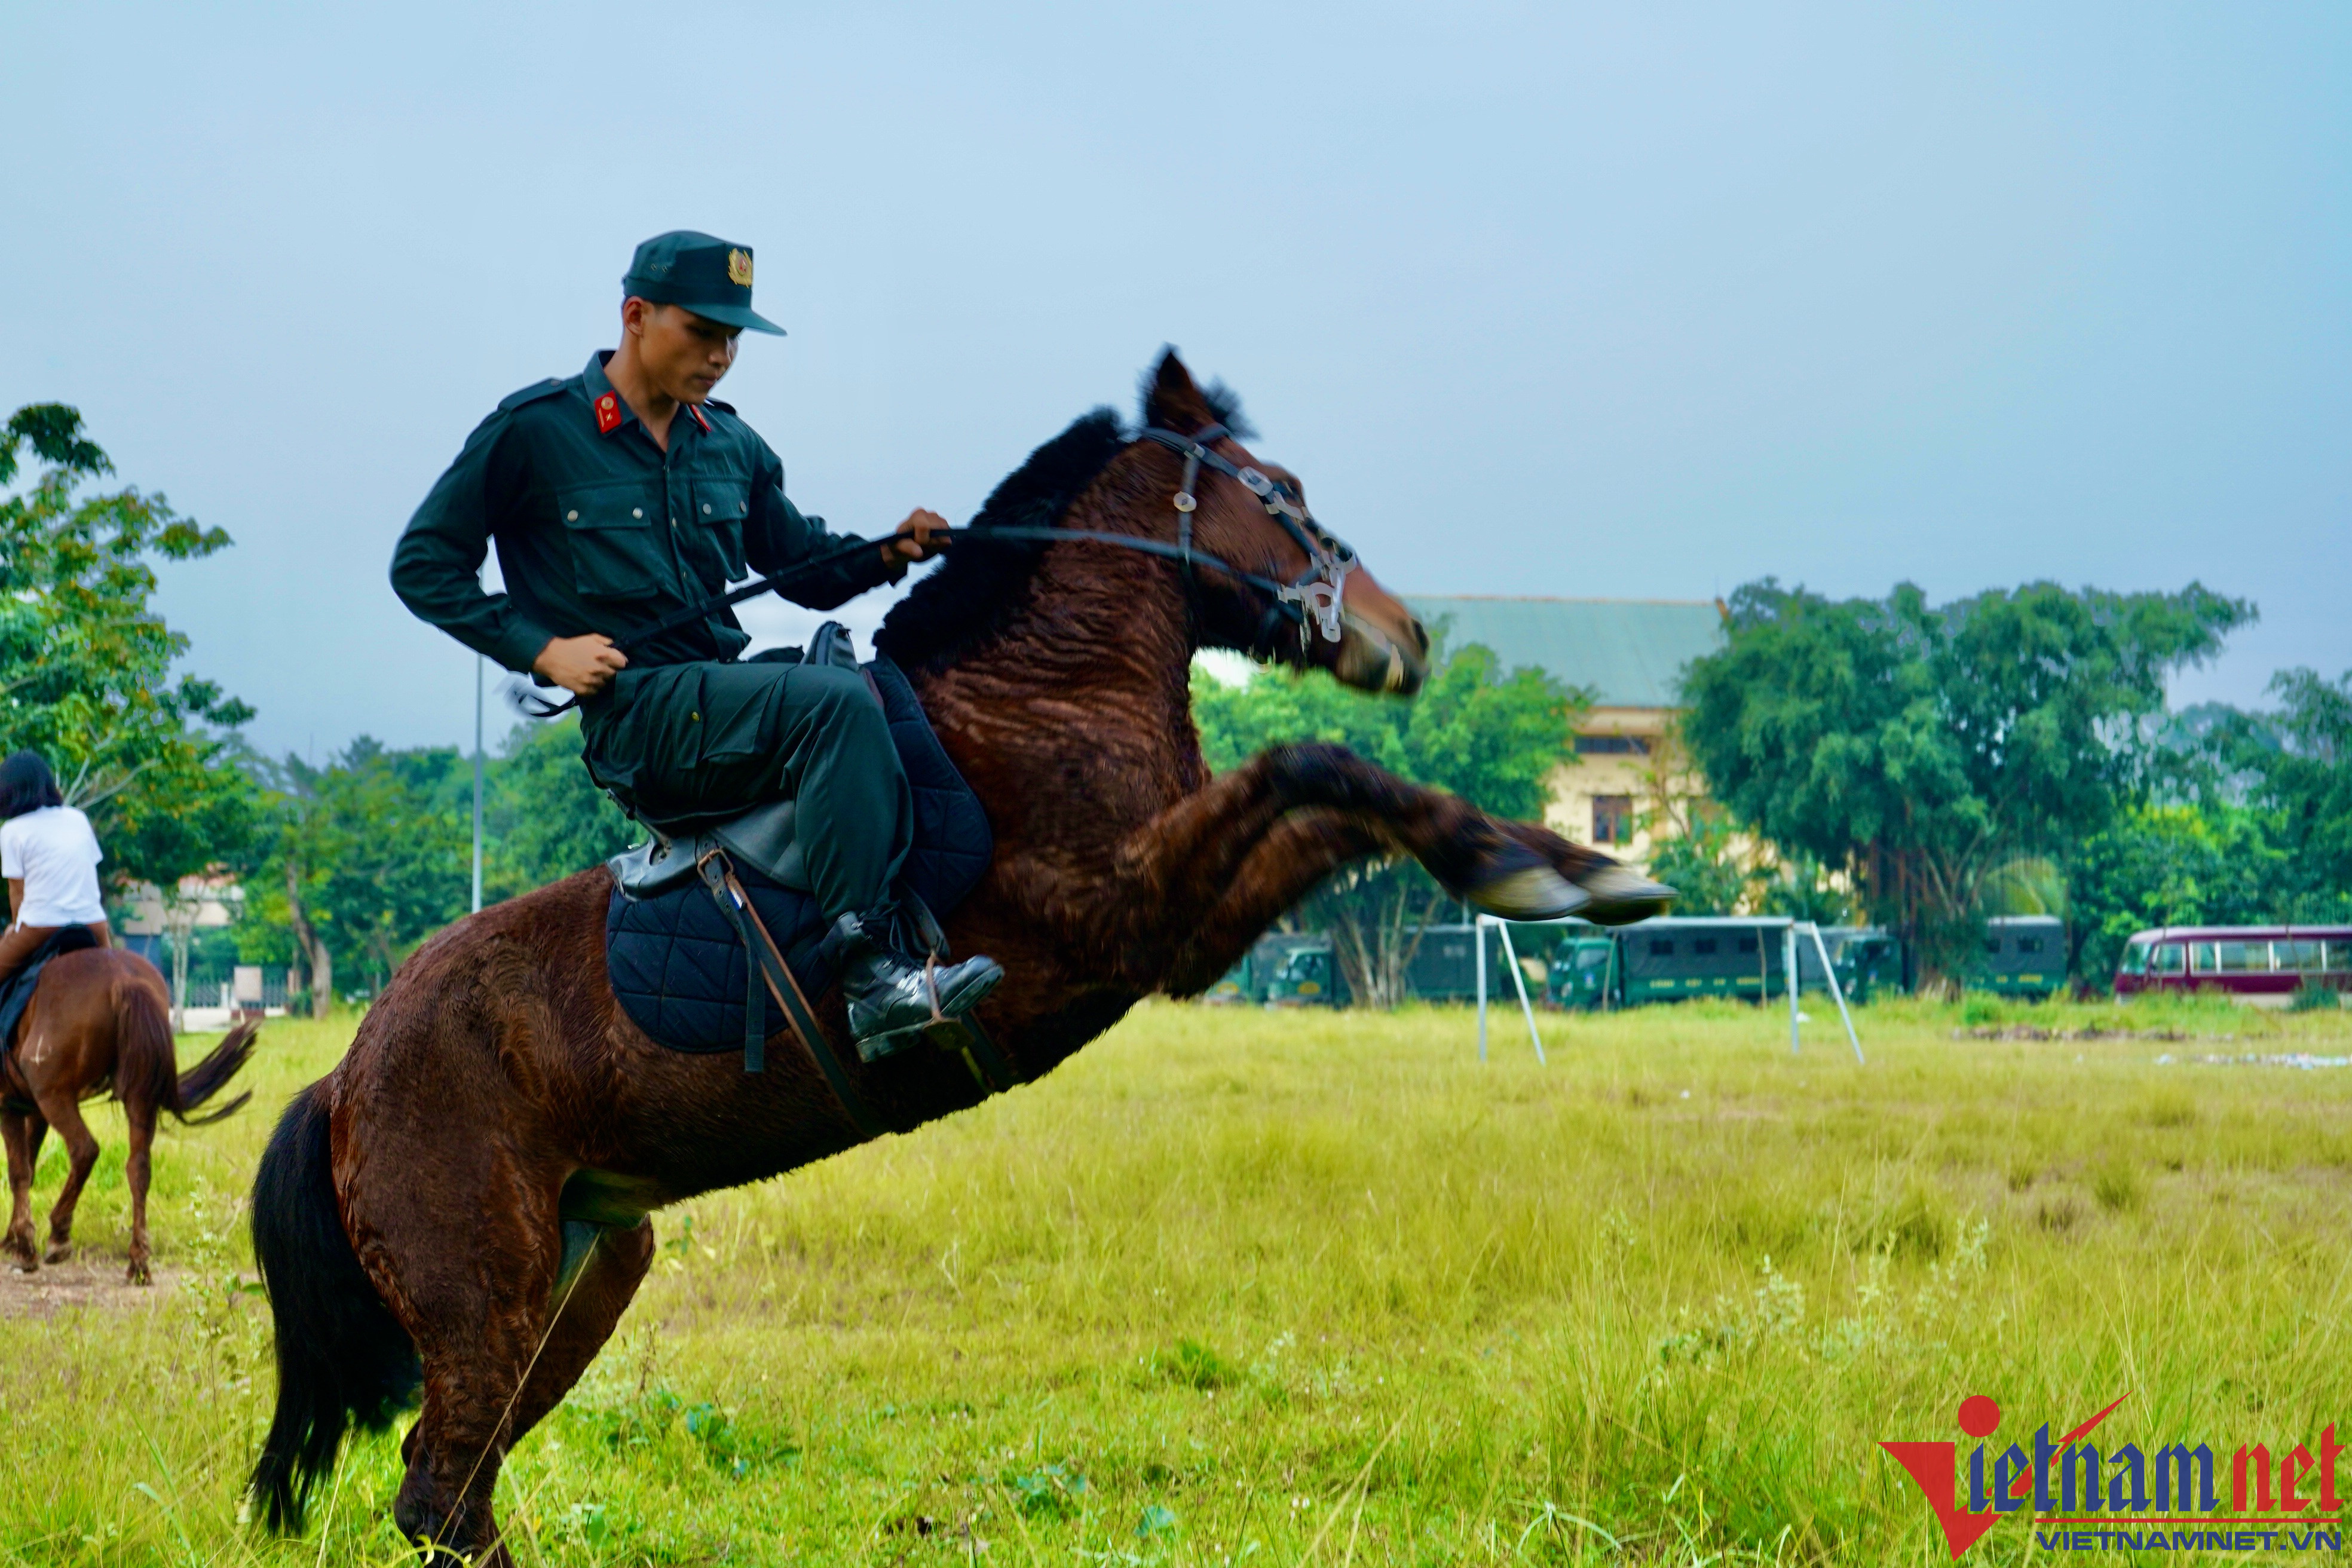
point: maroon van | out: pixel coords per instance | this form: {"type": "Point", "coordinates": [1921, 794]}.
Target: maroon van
{"type": "Point", "coordinates": [2273, 962]}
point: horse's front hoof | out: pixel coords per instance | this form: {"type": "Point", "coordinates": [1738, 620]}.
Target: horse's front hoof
{"type": "Point", "coordinates": [1621, 896]}
{"type": "Point", "coordinates": [1531, 893]}
{"type": "Point", "coordinates": [19, 1254]}
{"type": "Point", "coordinates": [137, 1273]}
{"type": "Point", "coordinates": [58, 1251]}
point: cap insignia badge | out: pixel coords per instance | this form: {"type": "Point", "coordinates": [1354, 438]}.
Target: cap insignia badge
{"type": "Point", "coordinates": [608, 414]}
{"type": "Point", "coordinates": [739, 269]}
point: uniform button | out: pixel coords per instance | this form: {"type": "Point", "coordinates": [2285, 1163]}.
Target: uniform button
{"type": "Point", "coordinates": [706, 509]}
{"type": "Point", "coordinates": [697, 718]}
{"type": "Point", "coordinates": [572, 517]}
{"type": "Point", "coordinates": [637, 512]}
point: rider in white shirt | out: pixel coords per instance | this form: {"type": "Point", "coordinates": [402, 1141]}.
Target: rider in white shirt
{"type": "Point", "coordinates": [50, 857]}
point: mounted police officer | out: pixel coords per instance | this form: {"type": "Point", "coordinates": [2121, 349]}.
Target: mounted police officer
{"type": "Point", "coordinates": [622, 495]}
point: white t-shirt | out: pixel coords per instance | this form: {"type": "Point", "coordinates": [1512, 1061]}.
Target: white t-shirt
{"type": "Point", "coordinates": [55, 853]}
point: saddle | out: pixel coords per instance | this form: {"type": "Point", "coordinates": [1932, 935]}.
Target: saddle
{"type": "Point", "coordinates": [712, 938]}
{"type": "Point", "coordinates": [17, 991]}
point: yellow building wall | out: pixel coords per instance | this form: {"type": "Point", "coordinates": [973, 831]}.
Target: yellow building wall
{"type": "Point", "coordinates": [1580, 779]}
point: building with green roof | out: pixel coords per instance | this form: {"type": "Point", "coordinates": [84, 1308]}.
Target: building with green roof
{"type": "Point", "coordinates": [1629, 655]}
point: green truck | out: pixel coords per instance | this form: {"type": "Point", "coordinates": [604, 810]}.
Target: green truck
{"type": "Point", "coordinates": [1284, 969]}
{"type": "Point", "coordinates": [1676, 958]}
{"type": "Point", "coordinates": [2023, 955]}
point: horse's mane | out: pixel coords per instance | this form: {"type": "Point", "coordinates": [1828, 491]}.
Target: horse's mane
{"type": "Point", "coordinates": [978, 583]}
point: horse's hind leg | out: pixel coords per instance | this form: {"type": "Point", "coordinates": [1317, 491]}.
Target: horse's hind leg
{"type": "Point", "coordinates": [473, 1293]}
{"type": "Point", "coordinates": [81, 1151]}
{"type": "Point", "coordinates": [142, 1120]}
{"type": "Point", "coordinates": [589, 1303]}
{"type": "Point", "coordinates": [23, 1132]}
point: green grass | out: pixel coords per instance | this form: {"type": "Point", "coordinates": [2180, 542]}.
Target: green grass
{"type": "Point", "coordinates": [1236, 1287]}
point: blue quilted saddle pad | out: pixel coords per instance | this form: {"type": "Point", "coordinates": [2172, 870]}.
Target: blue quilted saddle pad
{"type": "Point", "coordinates": [678, 966]}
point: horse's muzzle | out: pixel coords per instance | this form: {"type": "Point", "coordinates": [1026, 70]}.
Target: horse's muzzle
{"type": "Point", "coordinates": [1370, 659]}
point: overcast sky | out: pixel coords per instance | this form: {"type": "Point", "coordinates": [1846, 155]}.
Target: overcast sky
{"type": "Point", "coordinates": [1610, 301]}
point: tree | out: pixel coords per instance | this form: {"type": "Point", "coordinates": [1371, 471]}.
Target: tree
{"type": "Point", "coordinates": [1924, 748]}
{"type": "Point", "coordinates": [543, 818]}
{"type": "Point", "coordinates": [2305, 776]}
{"type": "Point", "coordinates": [86, 668]}
{"type": "Point", "coordinates": [369, 857]}
{"type": "Point", "coordinates": [2168, 865]}
{"type": "Point", "coordinates": [1492, 738]}
{"type": "Point", "coordinates": [85, 663]}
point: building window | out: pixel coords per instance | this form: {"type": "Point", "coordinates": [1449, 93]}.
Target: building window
{"type": "Point", "coordinates": [1703, 944]}
{"type": "Point", "coordinates": [1612, 818]}
{"type": "Point", "coordinates": [1611, 746]}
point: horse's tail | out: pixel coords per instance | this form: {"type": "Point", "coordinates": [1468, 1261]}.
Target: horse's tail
{"type": "Point", "coordinates": [146, 1068]}
{"type": "Point", "coordinates": [343, 1359]}
{"type": "Point", "coordinates": [205, 1080]}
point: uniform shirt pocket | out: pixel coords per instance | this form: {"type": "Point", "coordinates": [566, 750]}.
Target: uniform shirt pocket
{"type": "Point", "coordinates": [722, 503]}
{"type": "Point", "coordinates": [616, 551]}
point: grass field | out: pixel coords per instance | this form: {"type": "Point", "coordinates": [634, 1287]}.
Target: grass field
{"type": "Point", "coordinates": [1236, 1287]}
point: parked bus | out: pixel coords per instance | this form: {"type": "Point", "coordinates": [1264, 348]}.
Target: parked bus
{"type": "Point", "coordinates": [2023, 955]}
{"type": "Point", "coordinates": [2258, 963]}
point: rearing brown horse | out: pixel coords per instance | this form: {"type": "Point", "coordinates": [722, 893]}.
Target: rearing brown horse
{"type": "Point", "coordinates": [463, 1199]}
{"type": "Point", "coordinates": [99, 1018]}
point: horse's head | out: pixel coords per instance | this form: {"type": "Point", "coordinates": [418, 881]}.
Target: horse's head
{"type": "Point", "coordinates": [1273, 582]}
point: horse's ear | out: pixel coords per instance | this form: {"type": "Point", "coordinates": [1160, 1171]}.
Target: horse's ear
{"type": "Point", "coordinates": [1170, 400]}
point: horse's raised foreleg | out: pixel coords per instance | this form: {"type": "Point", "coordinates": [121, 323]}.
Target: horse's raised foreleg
{"type": "Point", "coordinates": [23, 1132]}
{"type": "Point", "coordinates": [81, 1151]}
{"type": "Point", "coordinates": [1188, 857]}
{"type": "Point", "coordinates": [1283, 867]}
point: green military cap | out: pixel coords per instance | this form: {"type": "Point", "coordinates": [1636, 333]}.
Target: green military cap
{"type": "Point", "coordinates": [706, 275]}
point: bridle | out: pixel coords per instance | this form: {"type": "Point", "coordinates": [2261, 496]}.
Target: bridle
{"type": "Point", "coordinates": [1314, 595]}
{"type": "Point", "coordinates": [1311, 600]}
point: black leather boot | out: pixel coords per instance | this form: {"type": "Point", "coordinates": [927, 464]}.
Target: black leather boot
{"type": "Point", "coordinates": [893, 998]}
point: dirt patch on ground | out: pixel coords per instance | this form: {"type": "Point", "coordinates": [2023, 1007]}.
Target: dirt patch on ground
{"type": "Point", "coordinates": [81, 1281]}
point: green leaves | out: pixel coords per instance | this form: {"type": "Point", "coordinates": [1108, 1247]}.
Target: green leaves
{"type": "Point", "coordinates": [1928, 746]}
{"type": "Point", "coordinates": [85, 663]}
{"type": "Point", "coordinates": [1490, 737]}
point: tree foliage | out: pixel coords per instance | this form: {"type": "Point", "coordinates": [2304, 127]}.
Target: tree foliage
{"type": "Point", "coordinates": [86, 663]}
{"type": "Point", "coordinates": [1491, 737]}
{"type": "Point", "coordinates": [371, 853]}
{"type": "Point", "coordinates": [1926, 747]}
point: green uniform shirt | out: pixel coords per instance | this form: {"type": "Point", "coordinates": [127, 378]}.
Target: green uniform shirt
{"type": "Point", "coordinates": [599, 530]}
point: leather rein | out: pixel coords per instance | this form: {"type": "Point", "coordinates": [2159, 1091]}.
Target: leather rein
{"type": "Point", "coordinates": [1311, 600]}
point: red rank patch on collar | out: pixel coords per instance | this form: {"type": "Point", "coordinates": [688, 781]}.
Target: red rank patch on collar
{"type": "Point", "coordinates": [608, 414]}
{"type": "Point", "coordinates": [699, 417]}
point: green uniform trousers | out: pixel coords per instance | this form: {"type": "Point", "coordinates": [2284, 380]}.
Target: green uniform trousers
{"type": "Point", "coordinates": [708, 740]}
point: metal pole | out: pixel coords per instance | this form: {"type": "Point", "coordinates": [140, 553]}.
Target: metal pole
{"type": "Point", "coordinates": [1836, 995]}
{"type": "Point", "coordinates": [1789, 961]}
{"type": "Point", "coordinates": [1478, 940]}
{"type": "Point", "coordinates": [1520, 980]}
{"type": "Point", "coordinates": [477, 784]}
